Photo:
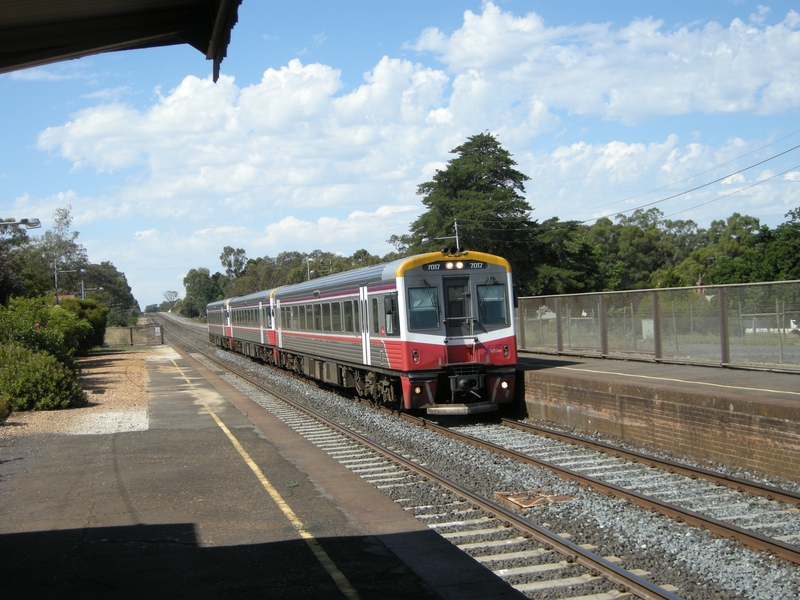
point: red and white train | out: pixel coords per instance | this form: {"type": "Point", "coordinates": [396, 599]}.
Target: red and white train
{"type": "Point", "coordinates": [432, 331]}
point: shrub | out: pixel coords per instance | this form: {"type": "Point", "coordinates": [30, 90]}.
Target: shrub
{"type": "Point", "coordinates": [37, 381]}
{"type": "Point", "coordinates": [40, 327]}
{"type": "Point", "coordinates": [5, 409]}
{"type": "Point", "coordinates": [95, 313]}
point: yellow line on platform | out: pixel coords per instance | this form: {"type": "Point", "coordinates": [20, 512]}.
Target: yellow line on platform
{"type": "Point", "coordinates": [327, 563]}
{"type": "Point", "coordinates": [719, 385]}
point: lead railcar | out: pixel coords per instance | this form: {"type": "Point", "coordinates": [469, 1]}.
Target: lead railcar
{"type": "Point", "coordinates": [431, 331]}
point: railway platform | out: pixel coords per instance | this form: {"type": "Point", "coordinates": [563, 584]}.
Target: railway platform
{"type": "Point", "coordinates": [748, 419]}
{"type": "Point", "coordinates": [217, 498]}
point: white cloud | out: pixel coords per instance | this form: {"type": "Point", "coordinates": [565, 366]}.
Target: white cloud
{"type": "Point", "coordinates": [296, 161]}
{"type": "Point", "coordinates": [634, 73]}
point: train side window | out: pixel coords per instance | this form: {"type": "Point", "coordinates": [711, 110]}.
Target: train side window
{"type": "Point", "coordinates": [391, 315]}
{"type": "Point", "coordinates": [317, 317]}
{"type": "Point", "coordinates": [336, 316]}
{"type": "Point", "coordinates": [309, 317]}
{"type": "Point", "coordinates": [423, 308]}
{"type": "Point", "coordinates": [295, 321]}
{"type": "Point", "coordinates": [376, 321]}
{"type": "Point", "coordinates": [326, 317]}
{"type": "Point", "coordinates": [356, 319]}
{"type": "Point", "coordinates": [492, 304]}
{"type": "Point", "coordinates": [301, 316]}
{"type": "Point", "coordinates": [348, 316]}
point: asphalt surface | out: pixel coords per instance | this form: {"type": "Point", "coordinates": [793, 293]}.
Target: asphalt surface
{"type": "Point", "coordinates": [180, 509]}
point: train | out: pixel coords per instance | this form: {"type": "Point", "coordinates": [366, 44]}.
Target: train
{"type": "Point", "coordinates": [433, 331]}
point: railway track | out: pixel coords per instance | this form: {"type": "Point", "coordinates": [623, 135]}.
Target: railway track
{"type": "Point", "coordinates": [531, 558]}
{"type": "Point", "coordinates": [520, 551]}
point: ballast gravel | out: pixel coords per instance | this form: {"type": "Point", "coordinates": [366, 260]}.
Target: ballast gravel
{"type": "Point", "coordinates": [700, 564]}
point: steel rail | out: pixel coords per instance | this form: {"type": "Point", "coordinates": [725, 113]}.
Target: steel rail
{"type": "Point", "coordinates": [680, 515]}
{"type": "Point", "coordinates": [624, 580]}
{"type": "Point", "coordinates": [740, 485]}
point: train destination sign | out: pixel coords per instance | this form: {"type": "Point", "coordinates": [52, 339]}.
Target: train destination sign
{"type": "Point", "coordinates": [451, 265]}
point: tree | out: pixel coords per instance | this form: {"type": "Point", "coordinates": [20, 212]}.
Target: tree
{"type": "Point", "coordinates": [233, 261]}
{"type": "Point", "coordinates": [201, 288]}
{"type": "Point", "coordinates": [116, 290]}
{"type": "Point", "coordinates": [481, 191]}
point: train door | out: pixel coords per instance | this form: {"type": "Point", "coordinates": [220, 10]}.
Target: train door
{"type": "Point", "coordinates": [277, 324]}
{"type": "Point", "coordinates": [261, 322]}
{"type": "Point", "coordinates": [363, 302]}
{"type": "Point", "coordinates": [228, 330]}
{"type": "Point", "coordinates": [457, 307]}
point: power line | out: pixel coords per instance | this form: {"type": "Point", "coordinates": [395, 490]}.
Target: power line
{"type": "Point", "coordinates": [700, 186]}
{"type": "Point", "coordinates": [687, 178]}
{"type": "Point", "coordinates": [735, 192]}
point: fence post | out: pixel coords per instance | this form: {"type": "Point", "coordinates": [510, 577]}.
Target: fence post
{"type": "Point", "coordinates": [559, 332]}
{"type": "Point", "coordinates": [657, 350]}
{"type": "Point", "coordinates": [724, 342]}
{"type": "Point", "coordinates": [603, 325]}
{"type": "Point", "coordinates": [130, 330]}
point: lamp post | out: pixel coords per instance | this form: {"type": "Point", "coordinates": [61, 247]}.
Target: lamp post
{"type": "Point", "coordinates": [56, 271]}
{"type": "Point", "coordinates": [308, 269]}
{"type": "Point", "coordinates": [449, 237]}
{"type": "Point", "coordinates": [85, 289]}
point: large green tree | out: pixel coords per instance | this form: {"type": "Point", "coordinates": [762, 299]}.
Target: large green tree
{"type": "Point", "coordinates": [480, 192]}
{"type": "Point", "coordinates": [201, 288]}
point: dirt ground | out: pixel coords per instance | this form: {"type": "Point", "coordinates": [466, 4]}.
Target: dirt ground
{"type": "Point", "coordinates": [116, 390]}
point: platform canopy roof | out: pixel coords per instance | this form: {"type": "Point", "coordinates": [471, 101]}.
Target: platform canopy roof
{"type": "Point", "coordinates": [38, 32]}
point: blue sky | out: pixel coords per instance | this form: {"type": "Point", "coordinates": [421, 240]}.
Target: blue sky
{"type": "Point", "coordinates": [329, 114]}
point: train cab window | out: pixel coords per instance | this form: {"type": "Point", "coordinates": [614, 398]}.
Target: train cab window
{"type": "Point", "coordinates": [492, 304]}
{"type": "Point", "coordinates": [317, 317]}
{"type": "Point", "coordinates": [376, 321]}
{"type": "Point", "coordinates": [336, 316]}
{"type": "Point", "coordinates": [348, 316]}
{"type": "Point", "coordinates": [423, 308]}
{"type": "Point", "coordinates": [391, 315]}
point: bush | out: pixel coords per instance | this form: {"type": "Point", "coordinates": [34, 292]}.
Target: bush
{"type": "Point", "coordinates": [5, 409]}
{"type": "Point", "coordinates": [36, 381]}
{"type": "Point", "coordinates": [40, 327]}
{"type": "Point", "coordinates": [95, 313]}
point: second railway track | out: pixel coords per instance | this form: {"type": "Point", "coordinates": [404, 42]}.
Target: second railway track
{"type": "Point", "coordinates": [532, 560]}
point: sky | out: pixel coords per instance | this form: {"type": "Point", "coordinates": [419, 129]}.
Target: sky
{"type": "Point", "coordinates": [329, 113]}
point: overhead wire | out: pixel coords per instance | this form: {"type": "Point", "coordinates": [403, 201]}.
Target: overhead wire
{"type": "Point", "coordinates": [694, 189]}
{"type": "Point", "coordinates": [714, 168]}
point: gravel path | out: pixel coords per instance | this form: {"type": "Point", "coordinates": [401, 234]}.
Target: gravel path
{"type": "Point", "coordinates": [116, 387]}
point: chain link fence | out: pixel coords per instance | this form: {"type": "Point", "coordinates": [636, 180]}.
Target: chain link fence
{"type": "Point", "coordinates": [746, 325]}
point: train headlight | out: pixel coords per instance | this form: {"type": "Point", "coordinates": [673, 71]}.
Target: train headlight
{"type": "Point", "coordinates": [415, 355]}
{"type": "Point", "coordinates": [417, 390]}
{"type": "Point", "coordinates": [504, 385]}
{"type": "Point", "coordinates": [506, 351]}
{"type": "Point", "coordinates": [448, 265]}
{"type": "Point", "coordinates": [459, 265]}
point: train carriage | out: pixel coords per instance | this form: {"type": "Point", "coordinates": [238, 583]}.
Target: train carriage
{"type": "Point", "coordinates": [432, 331]}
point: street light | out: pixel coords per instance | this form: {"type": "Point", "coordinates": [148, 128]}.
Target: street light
{"type": "Point", "coordinates": [84, 290]}
{"type": "Point", "coordinates": [308, 269]}
{"type": "Point", "coordinates": [55, 276]}
{"type": "Point", "coordinates": [27, 223]}
{"type": "Point", "coordinates": [449, 237]}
